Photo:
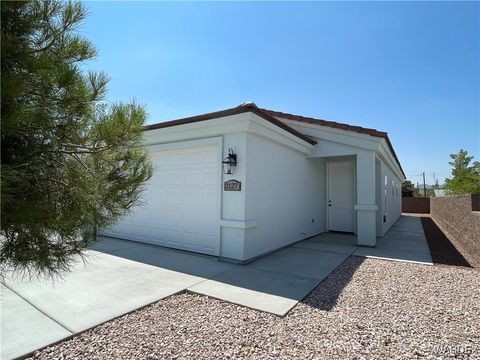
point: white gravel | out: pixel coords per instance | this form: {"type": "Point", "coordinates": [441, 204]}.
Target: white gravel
{"type": "Point", "coordinates": [366, 309]}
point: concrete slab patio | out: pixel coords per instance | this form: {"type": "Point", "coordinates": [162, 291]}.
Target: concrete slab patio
{"type": "Point", "coordinates": [106, 287]}
{"type": "Point", "coordinates": [122, 276]}
{"type": "Point", "coordinates": [273, 283]}
{"type": "Point", "coordinates": [36, 329]}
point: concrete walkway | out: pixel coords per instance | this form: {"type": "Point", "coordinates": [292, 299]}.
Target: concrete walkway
{"type": "Point", "coordinates": [122, 276]}
{"type": "Point", "coordinates": [405, 241]}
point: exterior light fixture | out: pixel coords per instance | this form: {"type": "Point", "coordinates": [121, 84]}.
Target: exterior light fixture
{"type": "Point", "coordinates": [229, 163]}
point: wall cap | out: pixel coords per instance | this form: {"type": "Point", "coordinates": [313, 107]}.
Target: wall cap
{"type": "Point", "coordinates": [238, 224]}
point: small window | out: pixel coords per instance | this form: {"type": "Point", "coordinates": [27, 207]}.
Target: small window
{"type": "Point", "coordinates": [386, 192]}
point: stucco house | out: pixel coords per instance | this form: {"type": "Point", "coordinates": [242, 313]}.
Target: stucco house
{"type": "Point", "coordinates": [242, 182]}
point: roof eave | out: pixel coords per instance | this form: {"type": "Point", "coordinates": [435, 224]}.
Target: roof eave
{"type": "Point", "coordinates": [229, 112]}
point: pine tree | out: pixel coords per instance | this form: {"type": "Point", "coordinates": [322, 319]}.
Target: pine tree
{"type": "Point", "coordinates": [70, 162]}
{"type": "Point", "coordinates": [408, 189]}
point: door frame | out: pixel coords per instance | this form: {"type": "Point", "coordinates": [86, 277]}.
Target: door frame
{"type": "Point", "coordinates": [327, 216]}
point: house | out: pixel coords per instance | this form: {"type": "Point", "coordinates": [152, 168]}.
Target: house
{"type": "Point", "coordinates": [439, 192]}
{"type": "Point", "coordinates": [242, 182]}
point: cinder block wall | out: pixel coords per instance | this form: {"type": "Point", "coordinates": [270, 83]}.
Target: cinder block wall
{"type": "Point", "coordinates": [419, 205]}
{"type": "Point", "coordinates": [457, 217]}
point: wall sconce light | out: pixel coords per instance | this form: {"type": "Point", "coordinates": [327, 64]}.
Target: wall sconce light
{"type": "Point", "coordinates": [229, 163]}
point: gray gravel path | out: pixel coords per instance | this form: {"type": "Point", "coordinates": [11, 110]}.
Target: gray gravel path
{"type": "Point", "coordinates": [365, 309]}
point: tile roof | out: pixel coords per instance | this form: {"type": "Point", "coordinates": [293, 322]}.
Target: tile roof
{"type": "Point", "coordinates": [332, 124]}
{"type": "Point", "coordinates": [228, 112]}
{"type": "Point", "coordinates": [277, 118]}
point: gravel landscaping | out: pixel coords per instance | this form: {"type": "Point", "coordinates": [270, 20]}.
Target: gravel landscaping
{"type": "Point", "coordinates": [367, 308]}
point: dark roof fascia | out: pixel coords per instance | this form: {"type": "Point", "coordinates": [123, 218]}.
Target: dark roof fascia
{"type": "Point", "coordinates": [229, 112]}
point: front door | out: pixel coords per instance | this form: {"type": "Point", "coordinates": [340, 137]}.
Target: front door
{"type": "Point", "coordinates": [340, 196]}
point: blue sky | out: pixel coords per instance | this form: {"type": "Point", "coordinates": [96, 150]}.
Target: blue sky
{"type": "Point", "coordinates": [411, 69]}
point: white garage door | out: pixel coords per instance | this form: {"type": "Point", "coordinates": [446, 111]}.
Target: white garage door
{"type": "Point", "coordinates": [181, 204]}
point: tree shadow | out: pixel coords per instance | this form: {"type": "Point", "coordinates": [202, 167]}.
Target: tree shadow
{"type": "Point", "coordinates": [326, 294]}
{"type": "Point", "coordinates": [443, 252]}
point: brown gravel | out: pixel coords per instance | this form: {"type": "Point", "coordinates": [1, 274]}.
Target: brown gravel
{"type": "Point", "coordinates": [366, 309]}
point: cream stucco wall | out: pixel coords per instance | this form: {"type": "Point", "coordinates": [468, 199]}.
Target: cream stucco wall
{"type": "Point", "coordinates": [391, 197]}
{"type": "Point", "coordinates": [285, 196]}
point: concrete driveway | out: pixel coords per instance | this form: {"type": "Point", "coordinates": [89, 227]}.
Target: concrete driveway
{"type": "Point", "coordinates": [38, 313]}
{"type": "Point", "coordinates": [122, 276]}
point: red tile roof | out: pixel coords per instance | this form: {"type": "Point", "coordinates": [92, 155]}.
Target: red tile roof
{"type": "Point", "coordinates": [228, 112]}
{"type": "Point", "coordinates": [333, 124]}
{"type": "Point", "coordinates": [276, 117]}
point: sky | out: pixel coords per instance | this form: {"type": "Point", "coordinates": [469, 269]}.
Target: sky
{"type": "Point", "coordinates": [411, 69]}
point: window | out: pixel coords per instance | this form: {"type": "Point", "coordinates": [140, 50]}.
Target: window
{"type": "Point", "coordinates": [386, 192]}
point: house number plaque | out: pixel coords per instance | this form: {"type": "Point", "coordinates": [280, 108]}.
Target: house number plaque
{"type": "Point", "coordinates": [232, 185]}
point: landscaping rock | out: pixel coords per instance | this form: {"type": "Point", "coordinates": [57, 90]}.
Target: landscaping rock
{"type": "Point", "coordinates": [365, 309]}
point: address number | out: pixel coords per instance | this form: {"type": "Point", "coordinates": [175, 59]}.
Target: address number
{"type": "Point", "coordinates": [232, 185]}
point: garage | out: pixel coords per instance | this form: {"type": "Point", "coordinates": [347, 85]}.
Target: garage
{"type": "Point", "coordinates": [181, 203]}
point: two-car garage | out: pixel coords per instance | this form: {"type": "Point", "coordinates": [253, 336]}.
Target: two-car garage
{"type": "Point", "coordinates": [181, 202]}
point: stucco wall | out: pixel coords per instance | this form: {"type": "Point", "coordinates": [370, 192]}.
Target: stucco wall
{"type": "Point", "coordinates": [233, 202]}
{"type": "Point", "coordinates": [391, 203]}
{"type": "Point", "coordinates": [285, 194]}
{"type": "Point", "coordinates": [455, 216]}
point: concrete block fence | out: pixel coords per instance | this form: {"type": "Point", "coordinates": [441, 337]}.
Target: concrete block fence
{"type": "Point", "coordinates": [459, 217]}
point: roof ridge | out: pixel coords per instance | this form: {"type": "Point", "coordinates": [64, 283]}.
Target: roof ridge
{"type": "Point", "coordinates": [248, 104]}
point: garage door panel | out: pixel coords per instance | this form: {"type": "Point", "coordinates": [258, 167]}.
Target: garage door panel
{"type": "Point", "coordinates": [174, 216]}
{"type": "Point", "coordinates": [193, 178]}
{"type": "Point", "coordinates": [175, 179]}
{"type": "Point", "coordinates": [210, 157]}
{"type": "Point", "coordinates": [180, 204]}
{"type": "Point", "coordinates": [208, 217]}
{"type": "Point", "coordinates": [193, 197]}
{"type": "Point", "coordinates": [209, 200]}
{"type": "Point", "coordinates": [193, 217]}
{"type": "Point", "coordinates": [210, 178]}
{"type": "Point", "coordinates": [174, 197]}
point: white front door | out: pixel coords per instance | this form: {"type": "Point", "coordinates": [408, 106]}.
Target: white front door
{"type": "Point", "coordinates": [340, 196]}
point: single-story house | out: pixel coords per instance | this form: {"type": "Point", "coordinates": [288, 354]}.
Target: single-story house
{"type": "Point", "coordinates": [242, 182]}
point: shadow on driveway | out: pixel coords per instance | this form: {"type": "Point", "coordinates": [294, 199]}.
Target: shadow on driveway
{"type": "Point", "coordinates": [272, 283]}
